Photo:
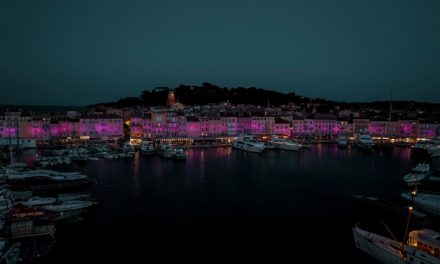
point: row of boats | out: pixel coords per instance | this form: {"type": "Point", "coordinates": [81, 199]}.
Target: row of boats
{"type": "Point", "coordinates": [32, 203]}
{"type": "Point", "coordinates": [83, 154]}
{"type": "Point", "coordinates": [251, 144]}
{"type": "Point", "coordinates": [431, 147]}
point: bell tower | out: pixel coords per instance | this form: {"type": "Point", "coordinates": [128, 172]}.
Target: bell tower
{"type": "Point", "coordinates": [171, 100]}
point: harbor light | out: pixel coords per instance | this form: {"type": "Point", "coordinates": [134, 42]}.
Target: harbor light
{"type": "Point", "coordinates": [410, 208]}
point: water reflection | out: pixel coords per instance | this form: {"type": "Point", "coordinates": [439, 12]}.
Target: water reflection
{"type": "Point", "coordinates": [136, 176]}
{"type": "Point", "coordinates": [224, 195]}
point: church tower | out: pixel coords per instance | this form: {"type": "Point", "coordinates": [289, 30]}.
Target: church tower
{"type": "Point", "coordinates": [171, 100]}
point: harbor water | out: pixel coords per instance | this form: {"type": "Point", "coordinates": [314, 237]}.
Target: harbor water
{"type": "Point", "coordinates": [222, 204]}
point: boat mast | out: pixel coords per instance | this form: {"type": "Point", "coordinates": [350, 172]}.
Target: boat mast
{"type": "Point", "coordinates": [410, 210]}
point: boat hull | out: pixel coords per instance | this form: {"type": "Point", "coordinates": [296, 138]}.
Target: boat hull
{"type": "Point", "coordinates": [289, 147]}
{"type": "Point", "coordinates": [248, 148]}
{"type": "Point", "coordinates": [363, 241]}
{"type": "Point", "coordinates": [429, 203]}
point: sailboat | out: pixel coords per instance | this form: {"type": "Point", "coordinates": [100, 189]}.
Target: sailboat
{"type": "Point", "coordinates": [419, 246]}
{"type": "Point", "coordinates": [422, 246]}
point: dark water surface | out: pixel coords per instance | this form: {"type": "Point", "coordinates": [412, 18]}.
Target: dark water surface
{"type": "Point", "coordinates": [225, 205]}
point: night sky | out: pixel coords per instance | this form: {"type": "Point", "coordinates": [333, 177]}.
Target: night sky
{"type": "Point", "coordinates": [83, 52]}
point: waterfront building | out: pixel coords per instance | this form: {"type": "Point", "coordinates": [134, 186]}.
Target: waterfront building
{"type": "Point", "coordinates": [243, 125]}
{"type": "Point", "coordinates": [212, 126]}
{"type": "Point", "coordinates": [428, 131]}
{"type": "Point", "coordinates": [136, 126]}
{"type": "Point", "coordinates": [64, 128]}
{"type": "Point", "coordinates": [193, 127]}
{"type": "Point", "coordinates": [205, 121]}
{"type": "Point", "coordinates": [298, 126]}
{"type": "Point", "coordinates": [378, 128]}
{"type": "Point", "coordinates": [360, 125]}
{"type": "Point", "coordinates": [231, 125]}
{"type": "Point", "coordinates": [282, 127]}
{"type": "Point", "coordinates": [262, 125]}
{"type": "Point", "coordinates": [408, 128]}
{"type": "Point", "coordinates": [159, 124]}
{"type": "Point", "coordinates": [104, 127]}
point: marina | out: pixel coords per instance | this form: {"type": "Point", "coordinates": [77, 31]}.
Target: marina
{"type": "Point", "coordinates": [252, 198]}
{"type": "Point", "coordinates": [220, 131]}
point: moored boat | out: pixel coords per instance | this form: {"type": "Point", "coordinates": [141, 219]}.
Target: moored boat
{"type": "Point", "coordinates": [425, 201]}
{"type": "Point", "coordinates": [422, 246]}
{"type": "Point", "coordinates": [165, 151]}
{"type": "Point", "coordinates": [364, 142]}
{"type": "Point", "coordinates": [147, 147]}
{"type": "Point", "coordinates": [342, 142]}
{"type": "Point", "coordinates": [285, 144]}
{"type": "Point", "coordinates": [249, 144]}
{"type": "Point", "coordinates": [417, 174]}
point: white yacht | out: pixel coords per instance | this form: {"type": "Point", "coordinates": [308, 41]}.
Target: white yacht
{"type": "Point", "coordinates": [364, 141]}
{"type": "Point", "coordinates": [420, 145]}
{"type": "Point", "coordinates": [427, 202]}
{"type": "Point", "coordinates": [165, 151]}
{"type": "Point", "coordinates": [128, 149]}
{"type": "Point", "coordinates": [178, 153]}
{"type": "Point", "coordinates": [248, 143]}
{"type": "Point", "coordinates": [417, 174]}
{"type": "Point", "coordinates": [342, 142]}
{"type": "Point", "coordinates": [422, 246]}
{"type": "Point", "coordinates": [285, 144]}
{"type": "Point", "coordinates": [147, 147]}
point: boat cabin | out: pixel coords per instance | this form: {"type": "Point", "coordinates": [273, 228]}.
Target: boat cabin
{"type": "Point", "coordinates": [426, 240]}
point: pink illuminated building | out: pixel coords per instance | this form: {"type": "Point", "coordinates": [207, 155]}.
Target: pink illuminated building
{"type": "Point", "coordinates": [181, 125]}
{"type": "Point", "coordinates": [147, 127]}
{"type": "Point", "coordinates": [382, 128]}
{"type": "Point", "coordinates": [428, 130]}
{"type": "Point", "coordinates": [262, 125]}
{"type": "Point", "coordinates": [40, 128]}
{"type": "Point", "coordinates": [101, 127]}
{"type": "Point", "coordinates": [320, 127]}
{"type": "Point", "coordinates": [159, 124]}
{"type": "Point", "coordinates": [213, 126]}
{"type": "Point", "coordinates": [64, 128]}
{"type": "Point", "coordinates": [282, 127]}
{"type": "Point", "coordinates": [136, 126]}
{"type": "Point", "coordinates": [231, 125]}
{"type": "Point", "coordinates": [298, 127]}
{"type": "Point", "coordinates": [360, 125]}
{"type": "Point", "coordinates": [408, 128]}
{"type": "Point", "coordinates": [244, 124]}
{"type": "Point", "coordinates": [193, 127]}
